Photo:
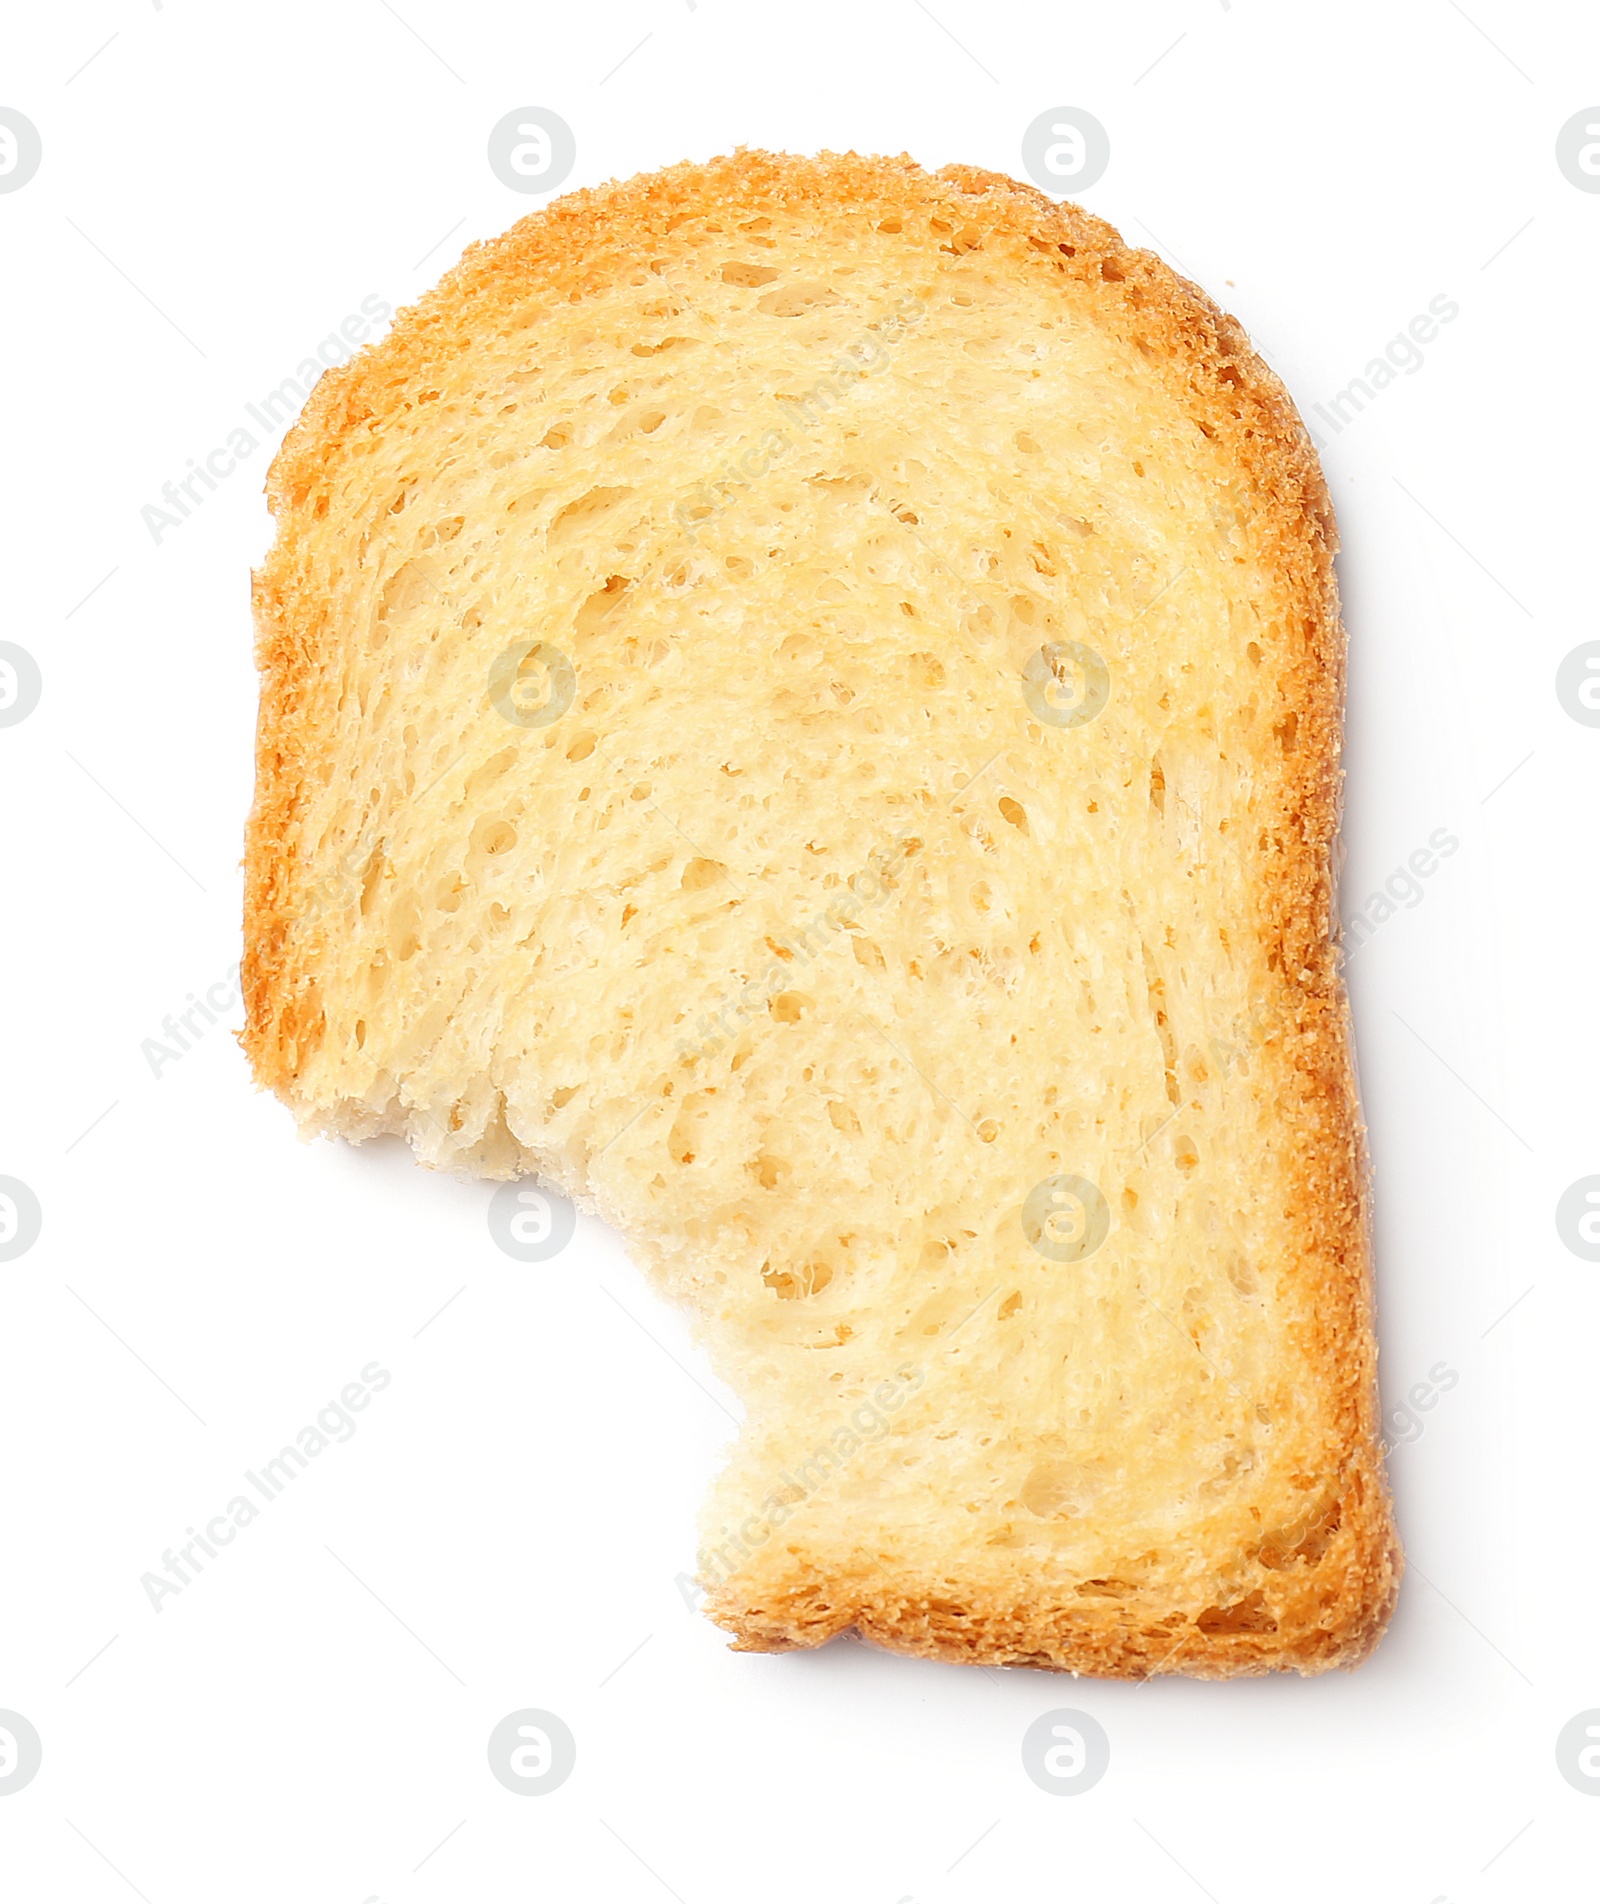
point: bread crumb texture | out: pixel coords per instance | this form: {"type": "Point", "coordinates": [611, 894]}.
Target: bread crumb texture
{"type": "Point", "coordinates": [800, 702]}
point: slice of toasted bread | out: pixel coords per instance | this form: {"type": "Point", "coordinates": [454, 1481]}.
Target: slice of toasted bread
{"type": "Point", "coordinates": [801, 703]}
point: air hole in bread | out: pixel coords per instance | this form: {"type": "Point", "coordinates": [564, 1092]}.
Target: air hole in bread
{"type": "Point", "coordinates": [749, 275]}
{"type": "Point", "coordinates": [794, 1285]}
{"type": "Point", "coordinates": [493, 838]}
{"type": "Point", "coordinates": [1249, 1615]}
{"type": "Point", "coordinates": [580, 516]}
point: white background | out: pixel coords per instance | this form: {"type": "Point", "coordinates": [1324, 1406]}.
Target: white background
{"type": "Point", "coordinates": [221, 185]}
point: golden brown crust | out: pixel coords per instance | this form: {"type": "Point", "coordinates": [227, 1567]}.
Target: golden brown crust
{"type": "Point", "coordinates": [1289, 1623]}
{"type": "Point", "coordinates": [582, 241]}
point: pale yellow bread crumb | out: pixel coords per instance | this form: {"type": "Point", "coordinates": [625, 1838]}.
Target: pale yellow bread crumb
{"type": "Point", "coordinates": [806, 941]}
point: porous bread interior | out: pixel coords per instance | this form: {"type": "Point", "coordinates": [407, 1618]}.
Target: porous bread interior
{"type": "Point", "coordinates": [801, 946]}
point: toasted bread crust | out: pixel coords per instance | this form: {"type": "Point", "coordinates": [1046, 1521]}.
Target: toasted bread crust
{"type": "Point", "coordinates": [1305, 1629]}
{"type": "Point", "coordinates": [583, 240]}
